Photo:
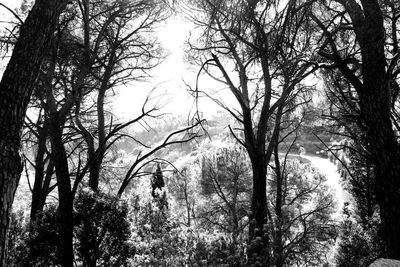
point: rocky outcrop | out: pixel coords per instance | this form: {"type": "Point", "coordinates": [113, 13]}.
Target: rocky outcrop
{"type": "Point", "coordinates": [385, 263]}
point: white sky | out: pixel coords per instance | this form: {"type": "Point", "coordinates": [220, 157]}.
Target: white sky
{"type": "Point", "coordinates": [10, 4]}
{"type": "Point", "coordinates": [167, 77]}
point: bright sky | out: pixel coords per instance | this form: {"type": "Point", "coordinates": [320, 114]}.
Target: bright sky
{"type": "Point", "coordinates": [10, 4]}
{"type": "Point", "coordinates": [167, 77]}
{"type": "Point", "coordinates": [5, 15]}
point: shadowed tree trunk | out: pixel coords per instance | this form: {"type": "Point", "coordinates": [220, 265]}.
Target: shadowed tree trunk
{"type": "Point", "coordinates": [15, 91]}
{"type": "Point", "coordinates": [373, 79]}
{"type": "Point", "coordinates": [101, 128]}
{"type": "Point", "coordinates": [65, 209]}
{"type": "Point", "coordinates": [278, 242]}
{"type": "Point", "coordinates": [375, 106]}
{"type": "Point", "coordinates": [45, 189]}
{"type": "Point", "coordinates": [40, 173]}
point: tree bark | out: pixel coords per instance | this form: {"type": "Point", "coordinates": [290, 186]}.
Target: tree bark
{"type": "Point", "coordinates": [386, 158]}
{"type": "Point", "coordinates": [46, 189]}
{"type": "Point", "coordinates": [375, 101]}
{"type": "Point", "coordinates": [259, 196]}
{"type": "Point", "coordinates": [95, 167]}
{"type": "Point", "coordinates": [39, 170]}
{"type": "Point", "coordinates": [375, 106]}
{"type": "Point", "coordinates": [15, 91]}
{"type": "Point", "coordinates": [278, 238]}
{"type": "Point", "coordinates": [385, 151]}
{"type": "Point", "coordinates": [65, 208]}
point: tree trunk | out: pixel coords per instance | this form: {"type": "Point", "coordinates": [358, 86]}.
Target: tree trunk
{"type": "Point", "coordinates": [259, 199]}
{"type": "Point", "coordinates": [234, 211]}
{"type": "Point", "coordinates": [65, 208]}
{"type": "Point", "coordinates": [278, 238]}
{"type": "Point", "coordinates": [101, 128]}
{"type": "Point", "coordinates": [257, 236]}
{"type": "Point", "coordinates": [46, 186]}
{"type": "Point", "coordinates": [386, 158]}
{"type": "Point", "coordinates": [39, 170]}
{"type": "Point", "coordinates": [187, 201]}
{"type": "Point", "coordinates": [39, 197]}
{"type": "Point", "coordinates": [387, 188]}
{"type": "Point", "coordinates": [375, 100]}
{"type": "Point", "coordinates": [94, 175]}
{"type": "Point", "coordinates": [15, 91]}
{"type": "Point", "coordinates": [375, 106]}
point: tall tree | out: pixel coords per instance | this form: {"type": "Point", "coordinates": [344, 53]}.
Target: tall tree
{"type": "Point", "coordinates": [91, 51]}
{"type": "Point", "coordinates": [122, 52]}
{"type": "Point", "coordinates": [251, 48]}
{"type": "Point", "coordinates": [15, 91]}
{"type": "Point", "coordinates": [355, 41]}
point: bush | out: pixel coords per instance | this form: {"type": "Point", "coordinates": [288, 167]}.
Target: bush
{"type": "Point", "coordinates": [161, 240]}
{"type": "Point", "coordinates": [360, 244]}
{"type": "Point", "coordinates": [102, 231]}
{"type": "Point", "coordinates": [15, 243]}
{"type": "Point", "coordinates": [38, 245]}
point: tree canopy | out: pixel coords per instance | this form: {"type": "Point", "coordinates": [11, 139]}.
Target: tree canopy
{"type": "Point", "coordinates": [297, 86]}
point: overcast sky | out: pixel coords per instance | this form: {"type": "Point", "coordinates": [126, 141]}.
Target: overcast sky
{"type": "Point", "coordinates": [167, 77]}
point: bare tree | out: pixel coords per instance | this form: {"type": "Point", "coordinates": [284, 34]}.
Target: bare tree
{"type": "Point", "coordinates": [121, 52]}
{"type": "Point", "coordinates": [142, 160]}
{"type": "Point", "coordinates": [252, 48]}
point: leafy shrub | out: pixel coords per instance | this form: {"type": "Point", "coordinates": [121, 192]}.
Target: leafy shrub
{"type": "Point", "coordinates": [360, 244]}
{"type": "Point", "coordinates": [185, 246]}
{"type": "Point", "coordinates": [304, 229]}
{"type": "Point", "coordinates": [161, 240]}
{"type": "Point", "coordinates": [216, 250]}
{"type": "Point", "coordinates": [102, 230]}
{"type": "Point", "coordinates": [15, 245]}
{"type": "Point", "coordinates": [38, 245]}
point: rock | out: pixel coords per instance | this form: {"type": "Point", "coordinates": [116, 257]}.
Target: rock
{"type": "Point", "coordinates": [385, 263]}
